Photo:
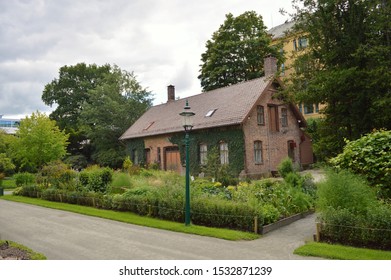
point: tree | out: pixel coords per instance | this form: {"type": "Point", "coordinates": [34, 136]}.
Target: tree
{"type": "Point", "coordinates": [38, 141]}
{"type": "Point", "coordinates": [236, 52]}
{"type": "Point", "coordinates": [112, 107]}
{"type": "Point", "coordinates": [6, 164]}
{"type": "Point", "coordinates": [346, 66]}
{"type": "Point", "coordinates": [69, 92]}
{"type": "Point", "coordinates": [95, 105]}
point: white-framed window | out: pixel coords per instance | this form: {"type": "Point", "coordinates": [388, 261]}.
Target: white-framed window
{"type": "Point", "coordinates": [203, 153]}
{"type": "Point", "coordinates": [258, 156]}
{"type": "Point", "coordinates": [224, 153]}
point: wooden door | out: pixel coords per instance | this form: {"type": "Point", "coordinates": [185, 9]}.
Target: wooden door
{"type": "Point", "coordinates": [172, 159]}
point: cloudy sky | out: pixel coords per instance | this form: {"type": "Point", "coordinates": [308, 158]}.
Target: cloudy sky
{"type": "Point", "coordinates": [160, 40]}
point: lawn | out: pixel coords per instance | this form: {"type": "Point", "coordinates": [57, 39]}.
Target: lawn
{"type": "Point", "coordinates": [340, 252]}
{"type": "Point", "coordinates": [132, 218]}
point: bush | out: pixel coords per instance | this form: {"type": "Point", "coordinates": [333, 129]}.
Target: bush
{"type": "Point", "coordinates": [24, 179]}
{"type": "Point", "coordinates": [369, 156]}
{"type": "Point", "coordinates": [344, 190]}
{"type": "Point", "coordinates": [285, 167]}
{"type": "Point", "coordinates": [95, 179]}
{"type": "Point", "coordinates": [58, 175]}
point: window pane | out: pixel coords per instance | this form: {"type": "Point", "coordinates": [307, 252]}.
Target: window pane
{"type": "Point", "coordinates": [224, 153]}
{"type": "Point", "coordinates": [258, 152]}
{"type": "Point", "coordinates": [203, 153]}
{"type": "Point", "coordinates": [260, 115]}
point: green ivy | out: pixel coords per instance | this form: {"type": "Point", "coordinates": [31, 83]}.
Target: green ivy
{"type": "Point", "coordinates": [233, 136]}
{"type": "Point", "coordinates": [136, 144]}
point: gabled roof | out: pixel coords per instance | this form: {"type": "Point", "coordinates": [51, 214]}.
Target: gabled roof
{"type": "Point", "coordinates": [226, 106]}
{"type": "Point", "coordinates": [281, 30]}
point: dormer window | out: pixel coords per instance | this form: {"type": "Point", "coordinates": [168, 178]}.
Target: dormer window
{"type": "Point", "coordinates": [210, 113]}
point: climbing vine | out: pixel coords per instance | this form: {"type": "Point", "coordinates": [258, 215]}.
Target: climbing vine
{"type": "Point", "coordinates": [212, 138]}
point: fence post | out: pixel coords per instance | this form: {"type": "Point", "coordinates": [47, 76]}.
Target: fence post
{"type": "Point", "coordinates": [256, 224]}
{"type": "Point", "coordinates": [318, 229]}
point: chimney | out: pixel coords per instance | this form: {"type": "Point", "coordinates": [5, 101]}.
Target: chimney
{"type": "Point", "coordinates": [170, 93]}
{"type": "Point", "coordinates": [270, 65]}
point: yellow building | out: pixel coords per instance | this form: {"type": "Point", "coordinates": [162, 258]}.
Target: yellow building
{"type": "Point", "coordinates": [292, 45]}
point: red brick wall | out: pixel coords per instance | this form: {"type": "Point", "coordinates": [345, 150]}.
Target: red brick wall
{"type": "Point", "coordinates": [274, 144]}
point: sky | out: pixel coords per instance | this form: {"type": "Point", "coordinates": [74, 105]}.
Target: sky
{"type": "Point", "coordinates": [161, 41]}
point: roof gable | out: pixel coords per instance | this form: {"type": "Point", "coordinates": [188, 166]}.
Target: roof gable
{"type": "Point", "coordinates": [220, 107]}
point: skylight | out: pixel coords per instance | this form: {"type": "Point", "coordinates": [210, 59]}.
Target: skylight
{"type": "Point", "coordinates": [210, 113]}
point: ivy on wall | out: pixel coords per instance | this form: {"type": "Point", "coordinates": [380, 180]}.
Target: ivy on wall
{"type": "Point", "coordinates": [233, 136]}
{"type": "Point", "coordinates": [133, 145]}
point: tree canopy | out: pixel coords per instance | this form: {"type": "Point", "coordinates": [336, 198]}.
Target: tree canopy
{"type": "Point", "coordinates": [236, 51]}
{"type": "Point", "coordinates": [38, 141]}
{"type": "Point", "coordinates": [95, 105]}
{"type": "Point", "coordinates": [112, 107]}
{"type": "Point", "coordinates": [346, 66]}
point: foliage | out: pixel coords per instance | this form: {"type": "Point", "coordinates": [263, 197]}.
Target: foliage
{"type": "Point", "coordinates": [233, 137]}
{"type": "Point", "coordinates": [285, 167]}
{"type": "Point", "coordinates": [39, 141]}
{"type": "Point", "coordinates": [24, 179]}
{"type": "Point", "coordinates": [57, 174]}
{"type": "Point", "coordinates": [112, 107]}
{"type": "Point", "coordinates": [6, 164]}
{"type": "Point", "coordinates": [236, 51]}
{"type": "Point", "coordinates": [369, 156]}
{"type": "Point", "coordinates": [69, 92]}
{"type": "Point", "coordinates": [350, 213]}
{"type": "Point", "coordinates": [346, 67]}
{"type": "Point", "coordinates": [96, 179]}
{"type": "Point", "coordinates": [77, 162]}
{"type": "Point", "coordinates": [95, 105]}
{"type": "Point", "coordinates": [160, 194]}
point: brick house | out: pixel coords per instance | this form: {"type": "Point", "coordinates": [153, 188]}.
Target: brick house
{"type": "Point", "coordinates": [251, 129]}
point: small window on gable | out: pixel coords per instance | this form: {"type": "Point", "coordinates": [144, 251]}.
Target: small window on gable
{"type": "Point", "coordinates": [210, 113]}
{"type": "Point", "coordinates": [284, 117]}
{"type": "Point", "coordinates": [260, 115]}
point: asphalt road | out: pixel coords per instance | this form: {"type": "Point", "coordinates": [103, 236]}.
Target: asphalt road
{"type": "Point", "coordinates": [68, 236]}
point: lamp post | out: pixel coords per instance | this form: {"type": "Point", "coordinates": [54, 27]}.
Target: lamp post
{"type": "Point", "coordinates": [187, 125]}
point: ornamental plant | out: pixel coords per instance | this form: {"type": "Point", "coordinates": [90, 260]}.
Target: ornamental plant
{"type": "Point", "coordinates": [369, 156]}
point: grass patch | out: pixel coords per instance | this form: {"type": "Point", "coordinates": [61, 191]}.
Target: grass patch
{"type": "Point", "coordinates": [32, 255]}
{"type": "Point", "coordinates": [132, 218]}
{"type": "Point", "coordinates": [340, 252]}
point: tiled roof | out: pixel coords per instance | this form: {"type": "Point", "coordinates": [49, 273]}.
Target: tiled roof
{"type": "Point", "coordinates": [280, 31]}
{"type": "Point", "coordinates": [232, 104]}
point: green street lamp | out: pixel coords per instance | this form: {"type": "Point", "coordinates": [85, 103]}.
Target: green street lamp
{"type": "Point", "coordinates": [187, 125]}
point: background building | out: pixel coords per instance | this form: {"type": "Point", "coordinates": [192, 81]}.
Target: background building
{"type": "Point", "coordinates": [10, 126]}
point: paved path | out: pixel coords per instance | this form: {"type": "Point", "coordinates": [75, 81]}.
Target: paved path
{"type": "Point", "coordinates": [70, 236]}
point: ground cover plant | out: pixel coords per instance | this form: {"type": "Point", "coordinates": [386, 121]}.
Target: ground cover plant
{"type": "Point", "coordinates": [160, 194]}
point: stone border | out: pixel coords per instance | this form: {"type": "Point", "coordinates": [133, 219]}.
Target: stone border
{"type": "Point", "coordinates": [284, 222]}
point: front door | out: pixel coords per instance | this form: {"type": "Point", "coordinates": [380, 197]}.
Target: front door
{"type": "Point", "coordinates": [172, 159]}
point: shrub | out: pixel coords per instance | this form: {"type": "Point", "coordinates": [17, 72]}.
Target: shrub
{"type": "Point", "coordinates": [95, 179]}
{"type": "Point", "coordinates": [24, 179]}
{"type": "Point", "coordinates": [285, 167]}
{"type": "Point", "coordinates": [58, 175]}
{"type": "Point", "coordinates": [344, 190]}
{"type": "Point", "coordinates": [369, 156]}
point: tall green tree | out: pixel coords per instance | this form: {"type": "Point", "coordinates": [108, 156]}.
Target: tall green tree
{"type": "Point", "coordinates": [68, 93]}
{"type": "Point", "coordinates": [112, 107]}
{"type": "Point", "coordinates": [38, 141]}
{"type": "Point", "coordinates": [6, 163]}
{"type": "Point", "coordinates": [347, 66]}
{"type": "Point", "coordinates": [236, 52]}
